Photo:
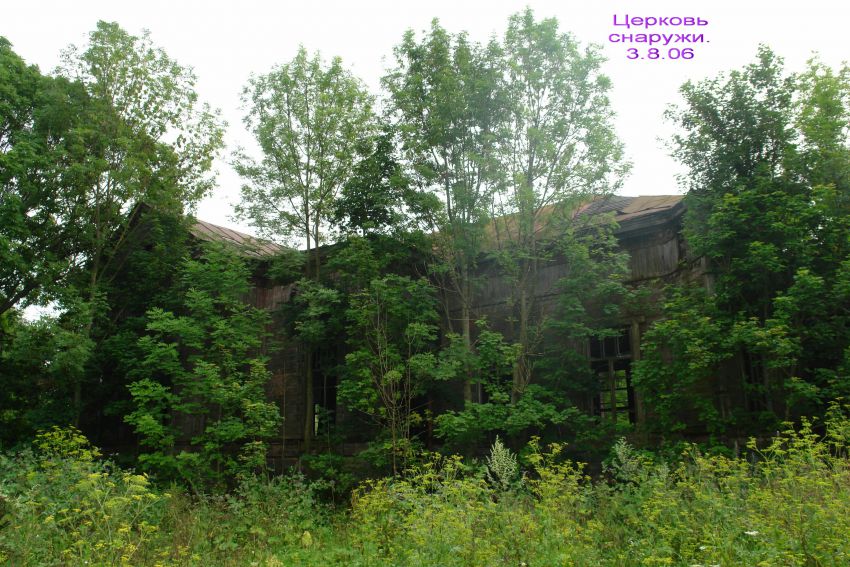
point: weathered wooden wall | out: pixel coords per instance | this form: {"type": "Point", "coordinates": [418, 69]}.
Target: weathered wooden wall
{"type": "Point", "coordinates": [657, 255]}
{"type": "Point", "coordinates": [286, 387]}
{"type": "Point", "coordinates": [650, 230]}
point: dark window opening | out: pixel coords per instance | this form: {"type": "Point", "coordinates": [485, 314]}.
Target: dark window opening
{"type": "Point", "coordinates": [611, 364]}
{"type": "Point", "coordinates": [611, 347]}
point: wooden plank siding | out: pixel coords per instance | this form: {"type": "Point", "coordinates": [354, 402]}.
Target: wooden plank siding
{"type": "Point", "coordinates": [650, 230]}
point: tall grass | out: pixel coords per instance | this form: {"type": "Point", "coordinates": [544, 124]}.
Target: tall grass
{"type": "Point", "coordinates": [785, 503]}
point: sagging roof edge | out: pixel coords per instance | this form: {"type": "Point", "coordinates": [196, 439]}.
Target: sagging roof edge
{"type": "Point", "coordinates": [632, 214]}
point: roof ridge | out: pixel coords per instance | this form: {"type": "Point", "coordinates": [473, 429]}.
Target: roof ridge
{"type": "Point", "coordinates": [252, 245]}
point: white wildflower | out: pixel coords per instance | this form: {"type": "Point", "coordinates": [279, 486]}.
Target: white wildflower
{"type": "Point", "coordinates": [502, 468]}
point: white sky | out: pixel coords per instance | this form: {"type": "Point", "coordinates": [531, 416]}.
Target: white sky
{"type": "Point", "coordinates": [227, 41]}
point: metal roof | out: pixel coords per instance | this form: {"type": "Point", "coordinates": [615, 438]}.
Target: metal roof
{"type": "Point", "coordinates": [247, 244]}
{"type": "Point", "coordinates": [630, 213]}
{"type": "Point", "coordinates": [626, 208]}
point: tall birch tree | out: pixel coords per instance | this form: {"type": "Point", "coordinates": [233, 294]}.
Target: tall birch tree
{"type": "Point", "coordinates": [557, 148]}
{"type": "Point", "coordinates": [307, 118]}
{"type": "Point", "coordinates": [443, 100]}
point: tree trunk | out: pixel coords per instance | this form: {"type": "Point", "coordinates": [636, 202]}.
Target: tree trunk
{"type": "Point", "coordinates": [309, 395]}
{"type": "Point", "coordinates": [467, 342]}
{"type": "Point", "coordinates": [395, 448]}
{"type": "Point", "coordinates": [78, 380]}
{"type": "Point", "coordinates": [309, 404]}
{"type": "Point", "coordinates": [521, 366]}
{"type": "Point", "coordinates": [466, 325]}
{"type": "Point", "coordinates": [316, 248]}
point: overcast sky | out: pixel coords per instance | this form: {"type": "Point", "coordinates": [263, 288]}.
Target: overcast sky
{"type": "Point", "coordinates": [225, 42]}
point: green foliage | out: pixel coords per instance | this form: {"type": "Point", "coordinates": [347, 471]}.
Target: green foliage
{"type": "Point", "coordinates": [508, 173]}
{"type": "Point", "coordinates": [313, 312]}
{"type": "Point", "coordinates": [379, 198]}
{"type": "Point", "coordinates": [591, 303]}
{"type": "Point", "coordinates": [59, 504]}
{"type": "Point", "coordinates": [768, 154]}
{"type": "Point", "coordinates": [287, 266]}
{"type": "Point", "coordinates": [392, 329]}
{"type": "Point", "coordinates": [63, 505]}
{"type": "Point", "coordinates": [313, 317]}
{"type": "Point", "coordinates": [444, 103]}
{"type": "Point", "coordinates": [331, 476]}
{"type": "Point", "coordinates": [498, 144]}
{"type": "Point", "coordinates": [147, 277]}
{"type": "Point", "coordinates": [697, 510]}
{"type": "Point", "coordinates": [488, 366]}
{"type": "Point", "coordinates": [160, 141]}
{"type": "Point", "coordinates": [202, 371]}
{"type": "Point", "coordinates": [152, 143]}
{"type": "Point", "coordinates": [593, 296]}
{"type": "Point", "coordinates": [39, 362]}
{"type": "Point", "coordinates": [679, 351]}
{"type": "Point", "coordinates": [553, 161]}
{"type": "Point", "coordinates": [491, 367]}
{"type": "Point", "coordinates": [64, 443]}
{"type": "Point", "coordinates": [45, 147]}
{"type": "Point", "coordinates": [786, 503]}
{"type": "Point", "coordinates": [441, 98]}
{"type": "Point", "coordinates": [571, 149]}
{"type": "Point", "coordinates": [308, 117]}
{"type": "Point", "coordinates": [86, 153]}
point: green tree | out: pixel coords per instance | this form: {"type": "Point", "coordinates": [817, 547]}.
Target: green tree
{"type": "Point", "coordinates": [443, 101]}
{"type": "Point", "coordinates": [313, 319]}
{"type": "Point", "coordinates": [307, 118]}
{"type": "Point", "coordinates": [147, 279]}
{"type": "Point", "coordinates": [39, 360]}
{"type": "Point", "coordinates": [155, 145]}
{"type": "Point", "coordinates": [489, 367]}
{"type": "Point", "coordinates": [768, 207]}
{"type": "Point", "coordinates": [558, 150]}
{"type": "Point", "coordinates": [44, 149]}
{"type": "Point", "coordinates": [592, 300]}
{"type": "Point", "coordinates": [201, 378]}
{"type": "Point", "coordinates": [380, 198]}
{"type": "Point", "coordinates": [392, 331]}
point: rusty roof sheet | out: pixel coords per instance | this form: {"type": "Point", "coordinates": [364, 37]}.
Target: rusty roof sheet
{"type": "Point", "coordinates": [627, 208]}
{"type": "Point", "coordinates": [624, 209]}
{"type": "Point", "coordinates": [246, 244]}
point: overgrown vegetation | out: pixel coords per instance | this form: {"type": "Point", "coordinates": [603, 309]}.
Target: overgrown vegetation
{"type": "Point", "coordinates": [783, 501]}
{"type": "Point", "coordinates": [202, 370]}
{"type": "Point", "coordinates": [476, 179]}
{"type": "Point", "coordinates": [769, 209]}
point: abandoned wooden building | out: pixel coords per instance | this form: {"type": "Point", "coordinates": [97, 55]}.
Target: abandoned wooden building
{"type": "Point", "coordinates": [649, 229]}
